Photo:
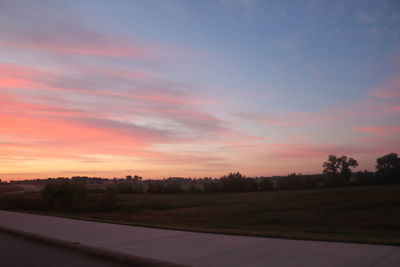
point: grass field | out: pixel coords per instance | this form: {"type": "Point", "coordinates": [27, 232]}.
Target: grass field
{"type": "Point", "coordinates": [7, 188]}
{"type": "Point", "coordinates": [368, 214]}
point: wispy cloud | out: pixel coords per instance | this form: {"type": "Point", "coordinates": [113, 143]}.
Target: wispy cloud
{"type": "Point", "coordinates": [310, 150]}
{"type": "Point", "coordinates": [75, 95]}
{"type": "Point", "coordinates": [388, 130]}
{"type": "Point", "coordinates": [391, 89]}
{"type": "Point", "coordinates": [23, 27]}
{"type": "Point", "coordinates": [261, 118]}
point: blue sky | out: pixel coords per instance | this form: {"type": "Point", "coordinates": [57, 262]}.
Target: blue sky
{"type": "Point", "coordinates": [320, 51]}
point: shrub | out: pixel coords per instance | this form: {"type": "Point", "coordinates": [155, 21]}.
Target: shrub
{"type": "Point", "coordinates": [65, 196]}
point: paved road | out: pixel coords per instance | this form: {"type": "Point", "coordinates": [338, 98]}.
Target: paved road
{"type": "Point", "coordinates": [200, 249]}
{"type": "Point", "coordinates": [17, 251]}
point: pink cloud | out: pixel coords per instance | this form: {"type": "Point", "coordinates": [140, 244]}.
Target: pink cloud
{"type": "Point", "coordinates": [294, 118]}
{"type": "Point", "coordinates": [395, 108]}
{"type": "Point", "coordinates": [62, 32]}
{"type": "Point", "coordinates": [381, 101]}
{"type": "Point", "coordinates": [157, 100]}
{"type": "Point", "coordinates": [391, 89]}
{"type": "Point", "coordinates": [368, 107]}
{"type": "Point", "coordinates": [310, 151]}
{"type": "Point", "coordinates": [298, 153]}
{"type": "Point", "coordinates": [261, 118]}
{"type": "Point", "coordinates": [12, 104]}
{"type": "Point", "coordinates": [40, 128]}
{"type": "Point", "coordinates": [389, 130]}
{"type": "Point", "coordinates": [80, 48]}
{"type": "Point", "coordinates": [40, 136]}
{"type": "Point", "coordinates": [321, 119]}
{"type": "Point", "coordinates": [156, 90]}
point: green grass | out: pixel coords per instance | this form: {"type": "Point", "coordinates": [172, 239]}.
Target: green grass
{"type": "Point", "coordinates": [369, 214]}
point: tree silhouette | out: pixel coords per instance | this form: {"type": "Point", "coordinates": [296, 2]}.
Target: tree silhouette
{"type": "Point", "coordinates": [331, 166]}
{"type": "Point", "coordinates": [339, 167]}
{"type": "Point", "coordinates": [345, 164]}
{"type": "Point", "coordinates": [388, 168]}
{"type": "Point", "coordinates": [389, 161]}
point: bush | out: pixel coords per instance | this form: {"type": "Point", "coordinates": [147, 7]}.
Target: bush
{"type": "Point", "coordinates": [102, 202]}
{"type": "Point", "coordinates": [125, 188]}
{"type": "Point", "coordinates": [265, 184]}
{"type": "Point", "coordinates": [65, 196]}
{"type": "Point", "coordinates": [363, 178]}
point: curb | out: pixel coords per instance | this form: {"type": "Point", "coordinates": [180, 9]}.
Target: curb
{"type": "Point", "coordinates": [121, 257]}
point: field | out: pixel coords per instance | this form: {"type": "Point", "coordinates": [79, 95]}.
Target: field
{"type": "Point", "coordinates": [367, 214]}
{"type": "Point", "coordinates": [6, 188]}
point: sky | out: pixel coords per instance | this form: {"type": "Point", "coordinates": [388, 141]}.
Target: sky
{"type": "Point", "coordinates": [180, 88]}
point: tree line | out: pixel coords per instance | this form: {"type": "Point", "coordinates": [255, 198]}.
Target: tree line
{"type": "Point", "coordinates": [66, 194]}
{"type": "Point", "coordinates": [337, 171]}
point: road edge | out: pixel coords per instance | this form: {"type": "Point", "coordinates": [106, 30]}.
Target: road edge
{"type": "Point", "coordinates": [94, 251]}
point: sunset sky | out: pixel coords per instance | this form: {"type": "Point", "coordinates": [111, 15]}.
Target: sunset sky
{"type": "Point", "coordinates": [196, 88]}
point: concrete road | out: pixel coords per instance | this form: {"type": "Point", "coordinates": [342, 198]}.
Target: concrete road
{"type": "Point", "coordinates": [201, 249]}
{"type": "Point", "coordinates": [16, 251]}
